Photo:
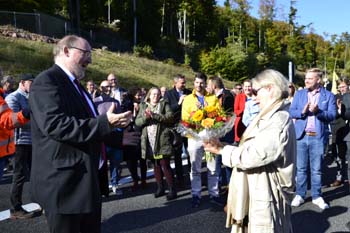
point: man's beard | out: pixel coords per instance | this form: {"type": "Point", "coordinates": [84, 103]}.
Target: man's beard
{"type": "Point", "coordinates": [78, 71]}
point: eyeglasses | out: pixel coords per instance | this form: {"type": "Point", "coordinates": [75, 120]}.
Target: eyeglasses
{"type": "Point", "coordinates": [239, 88]}
{"type": "Point", "coordinates": [255, 91]}
{"type": "Point", "coordinates": [85, 52]}
{"type": "Point", "coordinates": [106, 86]}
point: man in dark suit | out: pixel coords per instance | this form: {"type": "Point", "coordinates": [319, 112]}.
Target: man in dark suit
{"type": "Point", "coordinates": [226, 99]}
{"type": "Point", "coordinates": [67, 136]}
{"type": "Point", "coordinates": [175, 98]}
{"type": "Point", "coordinates": [340, 133]}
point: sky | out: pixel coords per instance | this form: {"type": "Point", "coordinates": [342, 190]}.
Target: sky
{"type": "Point", "coordinates": [327, 16]}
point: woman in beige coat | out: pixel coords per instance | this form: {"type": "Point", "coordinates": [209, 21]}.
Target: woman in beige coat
{"type": "Point", "coordinates": [262, 181]}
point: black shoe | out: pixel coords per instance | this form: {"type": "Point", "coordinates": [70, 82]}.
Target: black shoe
{"type": "Point", "coordinates": [21, 214]}
{"type": "Point", "coordinates": [216, 201]}
{"type": "Point", "coordinates": [160, 191]}
{"type": "Point", "coordinates": [196, 201]}
{"type": "Point", "coordinates": [171, 195]}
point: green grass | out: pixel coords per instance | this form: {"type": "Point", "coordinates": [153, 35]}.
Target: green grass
{"type": "Point", "coordinates": [23, 56]}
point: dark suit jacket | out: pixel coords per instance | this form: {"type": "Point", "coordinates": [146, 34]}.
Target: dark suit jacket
{"type": "Point", "coordinates": [227, 101]}
{"type": "Point", "coordinates": [66, 146]}
{"type": "Point", "coordinates": [173, 98]}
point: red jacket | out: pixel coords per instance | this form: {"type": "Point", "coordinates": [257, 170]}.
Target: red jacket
{"type": "Point", "coordinates": [238, 110]}
{"type": "Point", "coordinates": [8, 121]}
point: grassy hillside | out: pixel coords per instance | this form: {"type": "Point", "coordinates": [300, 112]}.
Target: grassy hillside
{"type": "Point", "coordinates": [21, 56]}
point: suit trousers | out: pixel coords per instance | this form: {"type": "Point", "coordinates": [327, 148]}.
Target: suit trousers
{"type": "Point", "coordinates": [74, 223]}
{"type": "Point", "coordinates": [21, 170]}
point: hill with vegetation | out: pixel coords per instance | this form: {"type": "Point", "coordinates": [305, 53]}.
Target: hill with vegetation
{"type": "Point", "coordinates": [25, 55]}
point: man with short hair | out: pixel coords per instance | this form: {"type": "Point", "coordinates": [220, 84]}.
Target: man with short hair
{"type": "Point", "coordinates": [340, 129]}
{"type": "Point", "coordinates": [115, 155]}
{"type": "Point", "coordinates": [91, 89]}
{"type": "Point", "coordinates": [175, 98]}
{"type": "Point", "coordinates": [313, 108]}
{"type": "Point", "coordinates": [17, 101]}
{"type": "Point", "coordinates": [226, 99]}
{"type": "Point", "coordinates": [67, 136]}
{"type": "Point", "coordinates": [239, 106]}
{"type": "Point", "coordinates": [117, 92]}
{"type": "Point", "coordinates": [237, 89]}
{"type": "Point", "coordinates": [199, 99]}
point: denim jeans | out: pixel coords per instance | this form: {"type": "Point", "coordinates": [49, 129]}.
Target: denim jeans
{"type": "Point", "coordinates": [310, 150]}
{"type": "Point", "coordinates": [115, 156]}
{"type": "Point", "coordinates": [196, 152]}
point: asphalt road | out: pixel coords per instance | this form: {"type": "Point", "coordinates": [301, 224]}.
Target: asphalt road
{"type": "Point", "coordinates": [140, 212]}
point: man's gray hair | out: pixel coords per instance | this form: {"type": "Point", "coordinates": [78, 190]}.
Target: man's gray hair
{"type": "Point", "coordinates": [67, 41]}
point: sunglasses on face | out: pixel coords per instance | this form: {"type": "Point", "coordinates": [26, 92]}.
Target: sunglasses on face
{"type": "Point", "coordinates": [255, 91]}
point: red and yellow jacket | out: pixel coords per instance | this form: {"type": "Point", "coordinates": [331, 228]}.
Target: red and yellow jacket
{"type": "Point", "coordinates": [8, 121]}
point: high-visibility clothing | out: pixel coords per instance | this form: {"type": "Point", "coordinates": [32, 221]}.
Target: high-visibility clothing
{"type": "Point", "coordinates": [8, 121]}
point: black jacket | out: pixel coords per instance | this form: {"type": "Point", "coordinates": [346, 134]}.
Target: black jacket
{"type": "Point", "coordinates": [66, 146]}
{"type": "Point", "coordinates": [172, 97]}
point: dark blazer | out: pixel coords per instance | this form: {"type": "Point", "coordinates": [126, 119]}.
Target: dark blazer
{"type": "Point", "coordinates": [66, 146]}
{"type": "Point", "coordinates": [227, 101]}
{"type": "Point", "coordinates": [327, 112]}
{"type": "Point", "coordinates": [173, 98]}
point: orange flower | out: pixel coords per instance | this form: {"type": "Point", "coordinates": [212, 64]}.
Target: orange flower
{"type": "Point", "coordinates": [207, 123]}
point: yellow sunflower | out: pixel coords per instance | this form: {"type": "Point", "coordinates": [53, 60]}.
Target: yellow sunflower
{"type": "Point", "coordinates": [197, 116]}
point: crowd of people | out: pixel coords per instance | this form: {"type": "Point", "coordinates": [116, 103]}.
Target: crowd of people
{"type": "Point", "coordinates": [65, 138]}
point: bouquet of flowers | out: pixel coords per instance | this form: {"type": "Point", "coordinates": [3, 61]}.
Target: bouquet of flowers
{"type": "Point", "coordinates": [206, 123]}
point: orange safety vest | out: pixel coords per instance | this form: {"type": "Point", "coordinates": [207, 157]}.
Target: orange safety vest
{"type": "Point", "coordinates": [8, 121]}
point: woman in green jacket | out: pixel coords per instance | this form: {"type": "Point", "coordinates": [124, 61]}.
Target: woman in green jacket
{"type": "Point", "coordinates": [155, 117]}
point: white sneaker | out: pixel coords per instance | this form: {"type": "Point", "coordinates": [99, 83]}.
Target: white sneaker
{"type": "Point", "coordinates": [320, 203]}
{"type": "Point", "coordinates": [297, 201]}
{"type": "Point", "coordinates": [117, 190]}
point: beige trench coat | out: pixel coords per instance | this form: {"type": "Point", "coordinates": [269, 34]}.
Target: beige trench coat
{"type": "Point", "coordinates": [263, 179]}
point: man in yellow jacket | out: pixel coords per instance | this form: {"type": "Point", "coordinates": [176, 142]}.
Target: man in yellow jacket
{"type": "Point", "coordinates": [8, 121]}
{"type": "Point", "coordinates": [197, 100]}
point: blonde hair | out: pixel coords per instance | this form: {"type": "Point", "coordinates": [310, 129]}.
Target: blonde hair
{"type": "Point", "coordinates": [318, 72]}
{"type": "Point", "coordinates": [273, 78]}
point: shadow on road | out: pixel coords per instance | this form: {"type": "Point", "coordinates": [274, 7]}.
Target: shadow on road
{"type": "Point", "coordinates": [315, 222]}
